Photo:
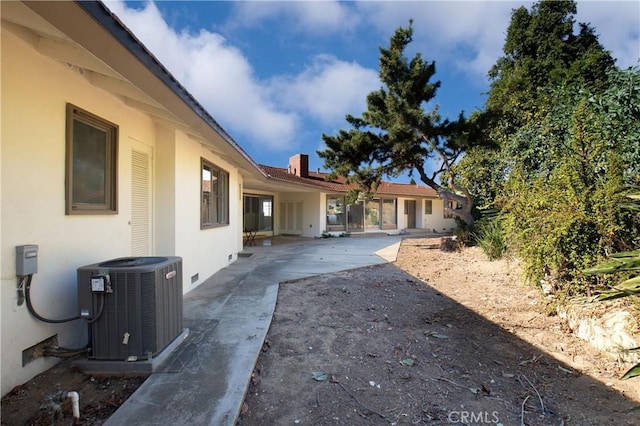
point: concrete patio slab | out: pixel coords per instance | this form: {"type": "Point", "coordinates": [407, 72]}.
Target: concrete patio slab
{"type": "Point", "coordinates": [205, 380]}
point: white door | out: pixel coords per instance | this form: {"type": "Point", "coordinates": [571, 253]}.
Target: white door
{"type": "Point", "coordinates": [141, 200]}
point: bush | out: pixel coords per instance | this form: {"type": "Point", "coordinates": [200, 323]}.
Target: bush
{"type": "Point", "coordinates": [559, 225]}
{"type": "Point", "coordinates": [463, 234]}
{"type": "Point", "coordinates": [490, 237]}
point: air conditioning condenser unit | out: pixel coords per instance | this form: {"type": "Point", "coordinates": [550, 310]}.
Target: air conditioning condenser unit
{"type": "Point", "coordinates": [133, 306]}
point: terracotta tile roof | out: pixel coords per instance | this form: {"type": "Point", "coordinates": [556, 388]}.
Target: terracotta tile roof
{"type": "Point", "coordinates": [406, 189]}
{"type": "Point", "coordinates": [338, 185]}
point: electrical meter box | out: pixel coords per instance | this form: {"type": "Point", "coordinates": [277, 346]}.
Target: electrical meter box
{"type": "Point", "coordinates": [26, 260]}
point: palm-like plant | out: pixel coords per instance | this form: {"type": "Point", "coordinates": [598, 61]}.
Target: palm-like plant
{"type": "Point", "coordinates": [622, 262]}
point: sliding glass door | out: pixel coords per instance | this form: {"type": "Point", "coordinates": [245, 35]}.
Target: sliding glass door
{"type": "Point", "coordinates": [258, 213]}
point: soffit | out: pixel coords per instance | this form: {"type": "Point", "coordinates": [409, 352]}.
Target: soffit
{"type": "Point", "coordinates": [52, 29]}
{"type": "Point", "coordinates": [24, 23]}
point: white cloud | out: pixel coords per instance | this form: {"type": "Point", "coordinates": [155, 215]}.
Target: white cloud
{"type": "Point", "coordinates": [463, 37]}
{"type": "Point", "coordinates": [617, 23]}
{"type": "Point", "coordinates": [328, 89]}
{"type": "Point", "coordinates": [308, 17]}
{"type": "Point", "coordinates": [469, 34]}
{"type": "Point", "coordinates": [218, 75]}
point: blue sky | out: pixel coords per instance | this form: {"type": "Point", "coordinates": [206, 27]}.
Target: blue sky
{"type": "Point", "coordinates": [277, 75]}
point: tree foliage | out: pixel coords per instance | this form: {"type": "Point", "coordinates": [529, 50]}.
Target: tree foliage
{"type": "Point", "coordinates": [396, 134]}
{"type": "Point", "coordinates": [564, 212]}
{"type": "Point", "coordinates": [567, 123]}
{"type": "Point", "coordinates": [541, 51]}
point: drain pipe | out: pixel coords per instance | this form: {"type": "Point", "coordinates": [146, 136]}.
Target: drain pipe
{"type": "Point", "coordinates": [75, 403]}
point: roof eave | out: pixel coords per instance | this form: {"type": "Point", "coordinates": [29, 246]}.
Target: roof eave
{"type": "Point", "coordinates": [93, 26]}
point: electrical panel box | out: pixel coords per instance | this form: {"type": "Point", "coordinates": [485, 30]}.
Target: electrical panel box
{"type": "Point", "coordinates": [100, 283]}
{"type": "Point", "coordinates": [26, 260]}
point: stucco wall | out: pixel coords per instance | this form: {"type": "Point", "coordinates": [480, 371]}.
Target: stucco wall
{"type": "Point", "coordinates": [435, 221]}
{"type": "Point", "coordinates": [35, 91]}
{"type": "Point", "coordinates": [165, 190]}
{"type": "Point", "coordinates": [204, 251]}
{"type": "Point", "coordinates": [310, 226]}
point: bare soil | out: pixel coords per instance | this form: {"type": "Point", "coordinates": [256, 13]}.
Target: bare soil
{"type": "Point", "coordinates": [434, 338]}
{"type": "Point", "coordinates": [39, 403]}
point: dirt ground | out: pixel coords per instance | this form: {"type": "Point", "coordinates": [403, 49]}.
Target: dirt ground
{"type": "Point", "coordinates": [38, 401]}
{"type": "Point", "coordinates": [435, 338]}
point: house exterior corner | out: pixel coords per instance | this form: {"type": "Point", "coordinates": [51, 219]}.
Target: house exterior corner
{"type": "Point", "coordinates": [94, 167]}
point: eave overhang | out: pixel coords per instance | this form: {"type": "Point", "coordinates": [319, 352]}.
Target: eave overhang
{"type": "Point", "coordinates": [96, 40]}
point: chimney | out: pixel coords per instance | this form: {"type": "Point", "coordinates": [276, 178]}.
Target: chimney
{"type": "Point", "coordinates": [299, 165]}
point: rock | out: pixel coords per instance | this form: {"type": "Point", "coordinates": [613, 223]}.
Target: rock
{"type": "Point", "coordinates": [611, 332]}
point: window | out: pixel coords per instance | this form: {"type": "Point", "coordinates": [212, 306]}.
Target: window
{"type": "Point", "coordinates": [335, 213]}
{"type": "Point", "coordinates": [372, 214]}
{"type": "Point", "coordinates": [428, 206]}
{"type": "Point", "coordinates": [91, 164]}
{"type": "Point", "coordinates": [389, 213]}
{"type": "Point", "coordinates": [258, 214]}
{"type": "Point", "coordinates": [214, 207]}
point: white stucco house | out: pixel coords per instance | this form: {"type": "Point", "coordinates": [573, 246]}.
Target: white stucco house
{"type": "Point", "coordinates": [298, 201]}
{"type": "Point", "coordinates": [104, 154]}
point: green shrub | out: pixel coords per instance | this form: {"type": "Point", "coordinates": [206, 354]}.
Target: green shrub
{"type": "Point", "coordinates": [490, 237]}
{"type": "Point", "coordinates": [463, 234]}
{"type": "Point", "coordinates": [559, 225]}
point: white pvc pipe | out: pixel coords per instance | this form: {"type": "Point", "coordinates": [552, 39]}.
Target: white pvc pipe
{"type": "Point", "coordinates": [75, 403]}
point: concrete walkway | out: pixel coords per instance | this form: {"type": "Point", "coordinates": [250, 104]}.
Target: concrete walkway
{"type": "Point", "coordinates": [205, 380]}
